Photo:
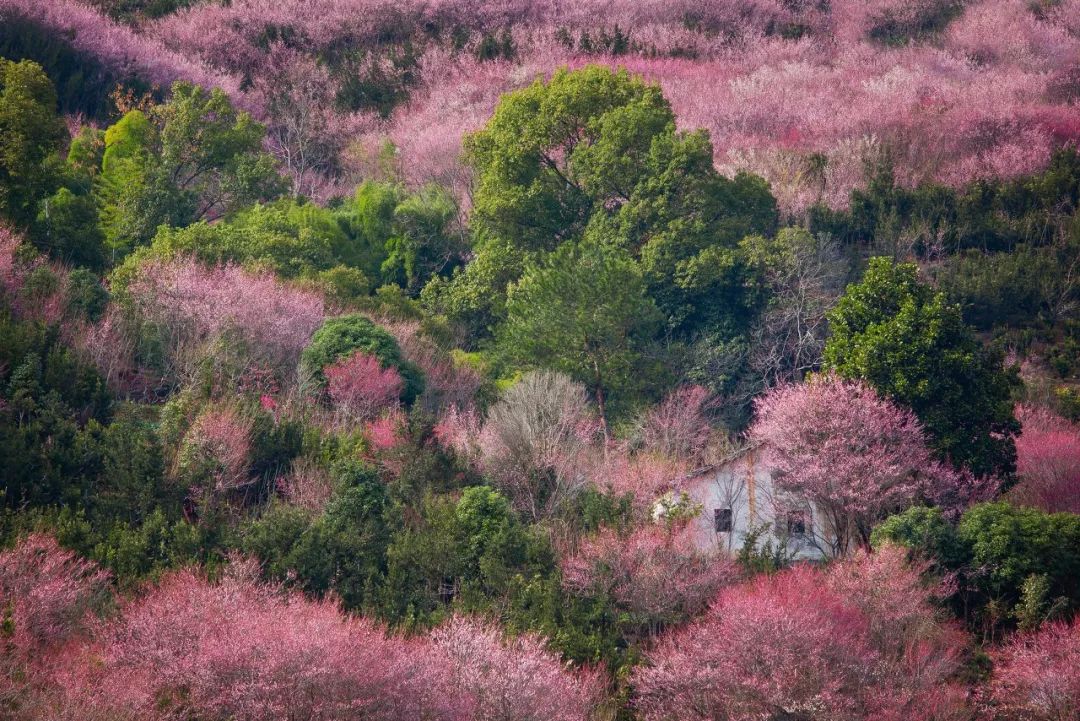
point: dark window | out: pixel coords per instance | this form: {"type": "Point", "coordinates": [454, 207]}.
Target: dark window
{"type": "Point", "coordinates": [722, 520]}
{"type": "Point", "coordinates": [796, 523]}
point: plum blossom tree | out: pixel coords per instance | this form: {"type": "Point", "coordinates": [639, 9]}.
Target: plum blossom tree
{"type": "Point", "coordinates": [795, 645]}
{"type": "Point", "coordinates": [214, 456]}
{"type": "Point", "coordinates": [304, 132]}
{"type": "Point", "coordinates": [240, 650]}
{"type": "Point", "coordinates": [47, 594]}
{"type": "Point", "coordinates": [458, 430]}
{"type": "Point", "coordinates": [387, 431]}
{"type": "Point", "coordinates": [514, 680]}
{"type": "Point", "coordinates": [117, 46]}
{"type": "Point", "coordinates": [899, 603]}
{"type": "Point", "coordinates": [678, 427]}
{"type": "Point", "coordinates": [191, 307]}
{"type": "Point", "coordinates": [1037, 675]}
{"type": "Point", "coordinates": [48, 591]}
{"type": "Point", "coordinates": [307, 485]}
{"type": "Point", "coordinates": [359, 387]}
{"type": "Point", "coordinates": [852, 454]}
{"type": "Point", "coordinates": [447, 383]}
{"type": "Point", "coordinates": [1047, 461]}
{"type": "Point", "coordinates": [656, 575]}
{"type": "Point", "coordinates": [643, 477]}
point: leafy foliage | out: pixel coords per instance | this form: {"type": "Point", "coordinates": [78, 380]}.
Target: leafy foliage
{"type": "Point", "coordinates": [906, 341]}
{"type": "Point", "coordinates": [191, 158]}
{"type": "Point", "coordinates": [31, 132]}
{"type": "Point", "coordinates": [995, 549]}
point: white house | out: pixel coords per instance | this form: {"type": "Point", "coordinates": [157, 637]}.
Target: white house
{"type": "Point", "coordinates": [736, 496]}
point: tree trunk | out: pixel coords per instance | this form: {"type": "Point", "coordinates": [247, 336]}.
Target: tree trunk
{"type": "Point", "coordinates": [601, 406]}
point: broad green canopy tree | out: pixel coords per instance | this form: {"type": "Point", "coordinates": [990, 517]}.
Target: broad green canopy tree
{"type": "Point", "coordinates": [583, 311]}
{"type": "Point", "coordinates": [896, 333]}
{"type": "Point", "coordinates": [191, 158]}
{"type": "Point", "coordinates": [594, 153]}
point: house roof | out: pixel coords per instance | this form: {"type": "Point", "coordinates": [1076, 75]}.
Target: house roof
{"type": "Point", "coordinates": [735, 455]}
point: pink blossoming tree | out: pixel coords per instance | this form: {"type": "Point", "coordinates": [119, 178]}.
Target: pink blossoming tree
{"type": "Point", "coordinates": [854, 456]}
{"type": "Point", "coordinates": [655, 574]}
{"type": "Point", "coordinates": [799, 644]}
{"type": "Point", "coordinates": [1047, 461]}
{"type": "Point", "coordinates": [678, 427]}
{"type": "Point", "coordinates": [247, 318]}
{"type": "Point", "coordinates": [516, 679]}
{"type": "Point", "coordinates": [240, 650]}
{"type": "Point", "coordinates": [47, 597]}
{"type": "Point", "coordinates": [359, 387]}
{"type": "Point", "coordinates": [1037, 675]}
{"type": "Point", "coordinates": [214, 457]}
{"type": "Point", "coordinates": [534, 443]}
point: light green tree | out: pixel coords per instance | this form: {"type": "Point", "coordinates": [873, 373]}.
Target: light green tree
{"type": "Point", "coordinates": [583, 311]}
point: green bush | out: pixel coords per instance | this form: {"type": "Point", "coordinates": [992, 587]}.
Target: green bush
{"type": "Point", "coordinates": [1009, 563]}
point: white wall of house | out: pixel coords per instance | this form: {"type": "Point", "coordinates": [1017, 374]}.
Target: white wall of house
{"type": "Point", "coordinates": [744, 485]}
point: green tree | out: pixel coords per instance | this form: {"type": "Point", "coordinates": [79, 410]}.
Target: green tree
{"type": "Point", "coordinates": [594, 153]}
{"type": "Point", "coordinates": [552, 152]}
{"type": "Point", "coordinates": [685, 221]}
{"type": "Point", "coordinates": [896, 333]}
{"type": "Point", "coordinates": [263, 235]}
{"type": "Point", "coordinates": [426, 241]}
{"type": "Point", "coordinates": [1008, 563]}
{"type": "Point", "coordinates": [67, 229]}
{"type": "Point", "coordinates": [191, 158]}
{"type": "Point", "coordinates": [583, 311]}
{"type": "Point", "coordinates": [368, 218]}
{"type": "Point", "coordinates": [471, 553]}
{"type": "Point", "coordinates": [30, 132]}
{"type": "Point", "coordinates": [1010, 544]}
{"type": "Point", "coordinates": [341, 550]}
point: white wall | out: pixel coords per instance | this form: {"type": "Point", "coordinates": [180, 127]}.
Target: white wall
{"type": "Point", "coordinates": [752, 504]}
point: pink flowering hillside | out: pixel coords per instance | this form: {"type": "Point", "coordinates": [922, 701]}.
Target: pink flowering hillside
{"type": "Point", "coordinates": [537, 360]}
{"type": "Point", "coordinates": [802, 93]}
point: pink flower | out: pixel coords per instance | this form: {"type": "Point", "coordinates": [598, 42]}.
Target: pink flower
{"type": "Point", "coordinates": [1037, 675]}
{"type": "Point", "coordinates": [386, 432]}
{"type": "Point", "coordinates": [516, 679]}
{"type": "Point", "coordinates": [834, 644]}
{"type": "Point", "coordinates": [650, 571]}
{"type": "Point", "coordinates": [359, 387]}
{"type": "Point", "coordinates": [237, 649]}
{"type": "Point", "coordinates": [1047, 461]}
{"type": "Point", "coordinates": [263, 321]}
